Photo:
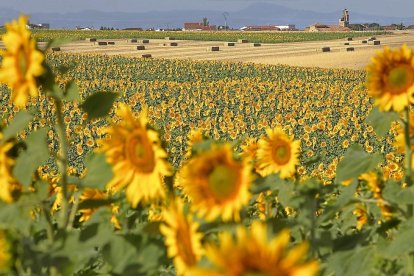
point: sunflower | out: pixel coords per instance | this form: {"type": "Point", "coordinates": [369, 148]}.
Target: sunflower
{"type": "Point", "coordinates": [194, 136]}
{"type": "Point", "coordinates": [95, 194]}
{"type": "Point", "coordinates": [22, 62]}
{"type": "Point", "coordinates": [251, 253]}
{"type": "Point", "coordinates": [277, 153]}
{"type": "Point", "coordinates": [399, 143]}
{"type": "Point", "coordinates": [182, 237]}
{"type": "Point", "coordinates": [8, 185]}
{"type": "Point", "coordinates": [376, 186]}
{"type": "Point", "coordinates": [249, 149]}
{"type": "Point", "coordinates": [361, 214]}
{"type": "Point", "coordinates": [138, 160]}
{"type": "Point", "coordinates": [216, 183]}
{"type": "Point", "coordinates": [390, 78]}
{"type": "Point", "coordinates": [5, 254]}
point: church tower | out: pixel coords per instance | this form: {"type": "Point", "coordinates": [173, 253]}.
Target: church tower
{"type": "Point", "coordinates": [344, 21]}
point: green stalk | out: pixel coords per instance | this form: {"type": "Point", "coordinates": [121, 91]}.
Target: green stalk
{"type": "Point", "coordinates": [63, 163]}
{"type": "Point", "coordinates": [408, 157]}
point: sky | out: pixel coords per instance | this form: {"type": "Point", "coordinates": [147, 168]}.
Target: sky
{"type": "Point", "coordinates": [397, 8]}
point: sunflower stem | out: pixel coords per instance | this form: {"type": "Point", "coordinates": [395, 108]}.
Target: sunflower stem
{"type": "Point", "coordinates": [408, 157]}
{"type": "Point", "coordinates": [62, 162]}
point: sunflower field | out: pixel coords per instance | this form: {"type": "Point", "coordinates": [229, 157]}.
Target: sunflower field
{"type": "Point", "coordinates": [259, 37]}
{"type": "Point", "coordinates": [127, 166]}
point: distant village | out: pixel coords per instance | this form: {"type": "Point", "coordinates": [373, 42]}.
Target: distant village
{"type": "Point", "coordinates": [343, 25]}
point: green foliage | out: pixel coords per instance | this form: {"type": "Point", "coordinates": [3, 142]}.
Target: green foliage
{"type": "Point", "coordinates": [18, 124]}
{"type": "Point", "coordinates": [99, 104]}
{"type": "Point", "coordinates": [356, 162]}
{"type": "Point", "coordinates": [56, 229]}
{"type": "Point", "coordinates": [381, 121]}
{"type": "Point", "coordinates": [99, 172]}
{"type": "Point", "coordinates": [35, 155]}
{"type": "Point", "coordinates": [261, 37]}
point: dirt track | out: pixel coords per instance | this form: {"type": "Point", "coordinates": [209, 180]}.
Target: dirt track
{"type": "Point", "coordinates": [297, 54]}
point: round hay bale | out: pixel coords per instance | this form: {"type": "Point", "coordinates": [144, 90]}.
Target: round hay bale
{"type": "Point", "coordinates": [213, 48]}
{"type": "Point", "coordinates": [374, 42]}
{"type": "Point", "coordinates": [56, 49]}
{"type": "Point", "coordinates": [102, 43]}
{"type": "Point", "coordinates": [173, 44]}
{"type": "Point", "coordinates": [326, 49]}
{"type": "Point", "coordinates": [350, 49]}
{"type": "Point", "coordinates": [364, 41]}
{"type": "Point", "coordinates": [146, 56]}
{"type": "Point", "coordinates": [349, 38]}
{"type": "Point", "coordinates": [346, 43]}
{"type": "Point", "coordinates": [256, 45]}
{"type": "Point", "coordinates": [111, 43]}
{"type": "Point", "coordinates": [91, 39]}
{"type": "Point", "coordinates": [145, 41]}
{"type": "Point", "coordinates": [169, 38]}
{"type": "Point", "coordinates": [140, 47]}
{"type": "Point", "coordinates": [242, 41]}
{"type": "Point", "coordinates": [229, 44]}
{"type": "Point", "coordinates": [134, 40]}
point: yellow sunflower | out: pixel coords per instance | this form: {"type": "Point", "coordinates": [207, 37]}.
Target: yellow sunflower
{"type": "Point", "coordinates": [376, 186]}
{"type": "Point", "coordinates": [390, 78]}
{"type": "Point", "coordinates": [194, 136]}
{"type": "Point", "coordinates": [22, 62]}
{"type": "Point", "coordinates": [95, 194]}
{"type": "Point", "coordinates": [5, 254]}
{"type": "Point", "coordinates": [251, 253]}
{"type": "Point", "coordinates": [138, 160]}
{"type": "Point", "coordinates": [399, 143]}
{"type": "Point", "coordinates": [361, 214]}
{"type": "Point", "coordinates": [249, 149]}
{"type": "Point", "coordinates": [216, 183]}
{"type": "Point", "coordinates": [182, 238]}
{"type": "Point", "coordinates": [8, 185]}
{"type": "Point", "coordinates": [277, 153]}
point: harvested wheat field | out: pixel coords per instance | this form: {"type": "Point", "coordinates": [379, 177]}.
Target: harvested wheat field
{"type": "Point", "coordinates": [308, 54]}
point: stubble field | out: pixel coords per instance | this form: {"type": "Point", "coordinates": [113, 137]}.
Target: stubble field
{"type": "Point", "coordinates": [306, 53]}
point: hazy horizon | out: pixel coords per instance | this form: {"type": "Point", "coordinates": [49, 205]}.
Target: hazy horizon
{"type": "Point", "coordinates": [398, 8]}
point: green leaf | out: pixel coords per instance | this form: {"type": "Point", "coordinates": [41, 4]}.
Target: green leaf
{"type": "Point", "coordinates": [402, 244]}
{"type": "Point", "coordinates": [19, 123]}
{"type": "Point", "coordinates": [391, 191]}
{"type": "Point", "coordinates": [346, 194]}
{"type": "Point", "coordinates": [99, 172]}
{"type": "Point", "coordinates": [353, 262]}
{"type": "Point", "coordinates": [120, 254]}
{"type": "Point", "coordinates": [356, 162]}
{"type": "Point", "coordinates": [99, 104]}
{"type": "Point", "coordinates": [406, 195]}
{"type": "Point", "coordinates": [381, 121]}
{"type": "Point", "coordinates": [72, 92]}
{"type": "Point", "coordinates": [35, 155]}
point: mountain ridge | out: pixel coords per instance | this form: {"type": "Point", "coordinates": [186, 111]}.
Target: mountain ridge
{"type": "Point", "coordinates": [255, 14]}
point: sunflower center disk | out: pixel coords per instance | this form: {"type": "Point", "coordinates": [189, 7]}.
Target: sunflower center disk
{"type": "Point", "coordinates": [140, 154]}
{"type": "Point", "coordinates": [22, 61]}
{"type": "Point", "coordinates": [281, 153]}
{"type": "Point", "coordinates": [222, 182]}
{"type": "Point", "coordinates": [400, 79]}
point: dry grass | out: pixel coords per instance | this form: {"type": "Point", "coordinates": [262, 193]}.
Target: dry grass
{"type": "Point", "coordinates": [296, 54]}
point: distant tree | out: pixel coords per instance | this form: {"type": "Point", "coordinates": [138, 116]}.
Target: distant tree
{"type": "Point", "coordinates": [374, 26]}
{"type": "Point", "coordinates": [205, 21]}
{"type": "Point", "coordinates": [400, 26]}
